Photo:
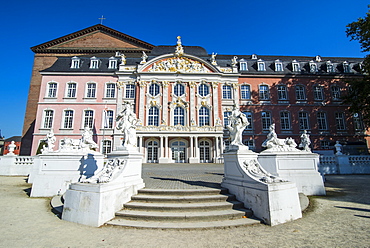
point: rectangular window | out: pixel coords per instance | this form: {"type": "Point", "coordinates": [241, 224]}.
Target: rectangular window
{"type": "Point", "coordinates": [226, 118]}
{"type": "Point", "coordinates": [249, 143]}
{"type": "Point", "coordinates": [48, 118]}
{"type": "Point", "coordinates": [110, 91]}
{"type": "Point", "coordinates": [278, 67]}
{"type": "Point", "coordinates": [71, 90]}
{"type": "Point", "coordinates": [91, 90]}
{"type": "Point", "coordinates": [204, 117]}
{"type": "Point", "coordinates": [318, 93]}
{"type": "Point", "coordinates": [68, 119]}
{"type": "Point", "coordinates": [266, 120]}
{"type": "Point", "coordinates": [264, 93]}
{"type": "Point", "coordinates": [340, 121]}
{"type": "Point", "coordinates": [300, 93]}
{"type": "Point", "coordinates": [285, 120]}
{"type": "Point", "coordinates": [112, 64]}
{"type": "Point", "coordinates": [153, 117]}
{"type": "Point", "coordinates": [296, 67]}
{"type": "Point", "coordinates": [89, 119]}
{"type": "Point", "coordinates": [226, 92]}
{"type": "Point", "coordinates": [321, 121]}
{"type": "Point", "coordinates": [243, 66]}
{"type": "Point", "coordinates": [108, 119]}
{"type": "Point", "coordinates": [250, 120]}
{"type": "Point", "coordinates": [313, 67]}
{"type": "Point", "coordinates": [357, 122]}
{"type": "Point", "coordinates": [261, 66]}
{"type": "Point", "coordinates": [130, 91]}
{"type": "Point", "coordinates": [107, 146]}
{"type": "Point", "coordinates": [282, 92]}
{"type": "Point", "coordinates": [335, 92]}
{"type": "Point", "coordinates": [94, 64]}
{"type": "Point", "coordinates": [325, 145]}
{"type": "Point", "coordinates": [245, 91]}
{"type": "Point", "coordinates": [304, 123]}
{"type": "Point", "coordinates": [52, 90]}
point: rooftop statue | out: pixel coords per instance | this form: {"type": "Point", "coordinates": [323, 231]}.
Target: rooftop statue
{"type": "Point", "coordinates": [273, 143]}
{"type": "Point", "coordinates": [144, 57]}
{"type": "Point", "coordinates": [179, 49]}
{"type": "Point", "coordinates": [126, 122]}
{"type": "Point", "coordinates": [237, 123]}
{"type": "Point", "coordinates": [305, 142]}
{"type": "Point", "coordinates": [213, 59]}
{"type": "Point", "coordinates": [234, 61]}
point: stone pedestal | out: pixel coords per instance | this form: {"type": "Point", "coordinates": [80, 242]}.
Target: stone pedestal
{"type": "Point", "coordinates": [271, 200]}
{"type": "Point", "coordinates": [299, 167]}
{"type": "Point", "coordinates": [55, 171]}
{"type": "Point", "coordinates": [94, 204]}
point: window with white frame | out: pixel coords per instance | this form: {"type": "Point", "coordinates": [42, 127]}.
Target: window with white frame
{"type": "Point", "coordinates": [226, 92]}
{"type": "Point", "coordinates": [245, 91]}
{"type": "Point", "coordinates": [153, 116]}
{"type": "Point", "coordinates": [322, 121]}
{"type": "Point", "coordinates": [264, 92]}
{"type": "Point", "coordinates": [249, 143]}
{"type": "Point", "coordinates": [71, 90]}
{"type": "Point", "coordinates": [110, 90]}
{"type": "Point", "coordinates": [203, 90]}
{"type": "Point", "coordinates": [340, 121]}
{"type": "Point", "coordinates": [179, 116]}
{"type": "Point", "coordinates": [300, 93]}
{"type": "Point", "coordinates": [357, 122]}
{"type": "Point", "coordinates": [107, 146]}
{"type": "Point", "coordinates": [266, 120]}
{"type": "Point", "coordinates": [48, 118]}
{"type": "Point", "coordinates": [296, 66]}
{"type": "Point", "coordinates": [325, 144]}
{"type": "Point", "coordinates": [313, 67]}
{"type": "Point", "coordinates": [329, 67]}
{"type": "Point", "coordinates": [261, 65]}
{"type": "Point", "coordinates": [282, 92]}
{"type": "Point", "coordinates": [179, 89]}
{"type": "Point", "coordinates": [108, 119]}
{"type": "Point", "coordinates": [94, 63]}
{"type": "Point", "coordinates": [304, 122]}
{"type": "Point", "coordinates": [226, 118]}
{"type": "Point", "coordinates": [204, 117]}
{"type": "Point", "coordinates": [318, 93]}
{"type": "Point", "coordinates": [335, 92]}
{"type": "Point", "coordinates": [250, 120]}
{"type": "Point", "coordinates": [243, 66]}
{"type": "Point", "coordinates": [154, 89]}
{"type": "Point", "coordinates": [285, 120]}
{"type": "Point", "coordinates": [346, 67]}
{"type": "Point", "coordinates": [130, 91]}
{"type": "Point", "coordinates": [68, 119]}
{"type": "Point", "coordinates": [278, 65]}
{"type": "Point", "coordinates": [112, 63]}
{"type": "Point", "coordinates": [75, 63]}
{"type": "Point", "coordinates": [52, 89]}
{"type": "Point", "coordinates": [89, 118]}
{"type": "Point", "coordinates": [91, 90]}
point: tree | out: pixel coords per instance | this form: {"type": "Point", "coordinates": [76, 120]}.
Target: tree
{"type": "Point", "coordinates": [358, 96]}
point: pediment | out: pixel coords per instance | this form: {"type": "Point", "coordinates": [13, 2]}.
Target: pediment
{"type": "Point", "coordinates": [96, 38]}
{"type": "Point", "coordinates": [177, 64]}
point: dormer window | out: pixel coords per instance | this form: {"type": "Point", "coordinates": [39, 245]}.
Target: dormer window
{"type": "Point", "coordinates": [346, 67]}
{"type": "Point", "coordinates": [243, 65]}
{"type": "Point", "coordinates": [261, 65]}
{"type": "Point", "coordinates": [112, 63]}
{"type": "Point", "coordinates": [75, 63]}
{"type": "Point", "coordinates": [313, 66]}
{"type": "Point", "coordinates": [278, 65]}
{"type": "Point", "coordinates": [329, 67]}
{"type": "Point", "coordinates": [296, 66]}
{"type": "Point", "coordinates": [254, 56]}
{"type": "Point", "coordinates": [94, 63]}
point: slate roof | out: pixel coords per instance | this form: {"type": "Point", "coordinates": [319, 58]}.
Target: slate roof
{"type": "Point", "coordinates": [14, 138]}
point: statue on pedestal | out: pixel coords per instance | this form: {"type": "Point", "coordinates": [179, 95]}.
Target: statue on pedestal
{"type": "Point", "coordinates": [87, 139]}
{"type": "Point", "coordinates": [11, 148]}
{"type": "Point", "coordinates": [305, 141]}
{"type": "Point", "coordinates": [338, 148]}
{"type": "Point", "coordinates": [50, 140]}
{"type": "Point", "coordinates": [126, 122]}
{"type": "Point", "coordinates": [273, 143]}
{"type": "Point", "coordinates": [237, 123]}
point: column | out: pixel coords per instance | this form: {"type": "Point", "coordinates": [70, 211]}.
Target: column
{"type": "Point", "coordinates": [215, 101]}
{"type": "Point", "coordinates": [216, 148]}
{"type": "Point", "coordinates": [192, 103]}
{"type": "Point", "coordinates": [141, 145]}
{"type": "Point", "coordinates": [196, 147]}
{"type": "Point", "coordinates": [191, 146]}
{"type": "Point", "coordinates": [161, 146]}
{"type": "Point", "coordinates": [142, 88]}
{"type": "Point", "coordinates": [166, 146]}
{"type": "Point", "coordinates": [165, 103]}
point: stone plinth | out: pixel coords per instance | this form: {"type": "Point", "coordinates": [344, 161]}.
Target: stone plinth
{"type": "Point", "coordinates": [273, 200]}
{"type": "Point", "coordinates": [55, 171]}
{"type": "Point", "coordinates": [299, 167]}
{"type": "Point", "coordinates": [95, 203]}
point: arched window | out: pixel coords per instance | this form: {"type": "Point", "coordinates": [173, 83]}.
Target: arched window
{"type": "Point", "coordinates": [264, 92]}
{"type": "Point", "coordinates": [245, 92]}
{"type": "Point", "coordinates": [68, 119]}
{"type": "Point", "coordinates": [304, 123]}
{"type": "Point", "coordinates": [266, 120]}
{"type": "Point", "coordinates": [153, 117]}
{"type": "Point", "coordinates": [152, 151]}
{"type": "Point", "coordinates": [250, 120]}
{"type": "Point", "coordinates": [108, 119]}
{"type": "Point", "coordinates": [88, 118]}
{"type": "Point", "coordinates": [154, 89]}
{"type": "Point", "coordinates": [71, 90]}
{"type": "Point", "coordinates": [203, 90]}
{"type": "Point", "coordinates": [48, 118]}
{"type": "Point", "coordinates": [91, 90]}
{"type": "Point", "coordinates": [179, 90]}
{"type": "Point", "coordinates": [204, 117]}
{"type": "Point", "coordinates": [179, 116]}
{"type": "Point", "coordinates": [52, 90]}
{"type": "Point", "coordinates": [110, 91]}
{"type": "Point", "coordinates": [322, 121]}
{"type": "Point", "coordinates": [285, 120]}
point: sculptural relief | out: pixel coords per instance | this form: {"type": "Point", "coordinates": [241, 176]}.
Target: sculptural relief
{"type": "Point", "coordinates": [256, 171]}
{"type": "Point", "coordinates": [273, 143]}
{"type": "Point", "coordinates": [109, 172]}
{"type": "Point", "coordinates": [178, 64]}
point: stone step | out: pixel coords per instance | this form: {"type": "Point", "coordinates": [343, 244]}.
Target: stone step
{"type": "Point", "coordinates": [183, 192]}
{"type": "Point", "coordinates": [184, 225]}
{"type": "Point", "coordinates": [182, 207]}
{"type": "Point", "coordinates": [184, 216]}
{"type": "Point", "coordinates": [182, 199]}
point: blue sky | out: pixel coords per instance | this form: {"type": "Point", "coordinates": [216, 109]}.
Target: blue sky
{"type": "Point", "coordinates": [264, 27]}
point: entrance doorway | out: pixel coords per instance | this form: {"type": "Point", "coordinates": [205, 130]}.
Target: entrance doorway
{"type": "Point", "coordinates": [204, 149]}
{"type": "Point", "coordinates": [178, 151]}
{"type": "Point", "coordinates": [152, 148]}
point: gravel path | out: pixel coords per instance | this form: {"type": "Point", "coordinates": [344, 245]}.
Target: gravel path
{"type": "Point", "coordinates": [341, 219]}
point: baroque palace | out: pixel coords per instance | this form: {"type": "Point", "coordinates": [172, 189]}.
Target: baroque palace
{"type": "Point", "coordinates": [182, 96]}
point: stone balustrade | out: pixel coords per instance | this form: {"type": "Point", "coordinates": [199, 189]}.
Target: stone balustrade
{"type": "Point", "coordinates": [344, 164]}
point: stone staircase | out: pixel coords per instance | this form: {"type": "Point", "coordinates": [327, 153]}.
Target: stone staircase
{"type": "Point", "coordinates": [183, 209]}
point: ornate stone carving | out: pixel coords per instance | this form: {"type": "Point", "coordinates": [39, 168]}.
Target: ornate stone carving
{"type": "Point", "coordinates": [273, 143]}
{"type": "Point", "coordinates": [144, 57]}
{"type": "Point", "coordinates": [85, 144]}
{"type": "Point", "coordinates": [237, 123]}
{"type": "Point", "coordinates": [256, 171]}
{"type": "Point", "coordinates": [193, 84]}
{"type": "Point", "coordinates": [143, 84]}
{"type": "Point", "coordinates": [215, 84]}
{"type": "Point", "coordinates": [178, 64]}
{"type": "Point", "coordinates": [234, 61]}
{"type": "Point", "coordinates": [213, 59]}
{"type": "Point", "coordinates": [123, 59]}
{"type": "Point", "coordinates": [50, 140]}
{"type": "Point", "coordinates": [179, 49]}
{"type": "Point", "coordinates": [120, 84]}
{"type": "Point", "coordinates": [305, 142]}
{"type": "Point", "coordinates": [126, 122]}
{"type": "Point", "coordinates": [165, 84]}
{"type": "Point", "coordinates": [109, 172]}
